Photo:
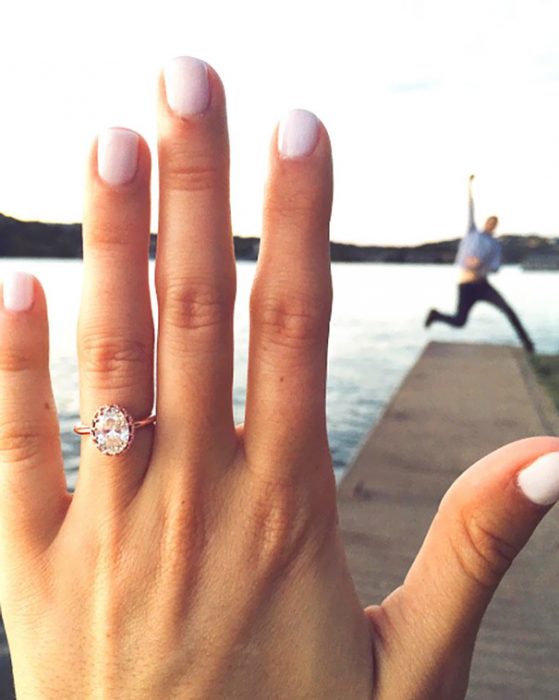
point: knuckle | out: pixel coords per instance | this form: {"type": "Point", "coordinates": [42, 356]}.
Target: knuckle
{"type": "Point", "coordinates": [195, 306]}
{"type": "Point", "coordinates": [283, 523]}
{"type": "Point", "coordinates": [298, 207]}
{"type": "Point", "coordinates": [114, 359]}
{"type": "Point", "coordinates": [108, 233]}
{"type": "Point", "coordinates": [187, 172]}
{"type": "Point", "coordinates": [483, 553]}
{"type": "Point", "coordinates": [277, 520]}
{"type": "Point", "coordinates": [20, 443]}
{"type": "Point", "coordinates": [15, 360]}
{"type": "Point", "coordinates": [290, 321]}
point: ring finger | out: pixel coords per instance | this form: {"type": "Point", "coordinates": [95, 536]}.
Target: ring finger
{"type": "Point", "coordinates": [115, 330]}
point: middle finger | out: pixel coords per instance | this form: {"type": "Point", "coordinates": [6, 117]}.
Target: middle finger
{"type": "Point", "coordinates": [195, 268]}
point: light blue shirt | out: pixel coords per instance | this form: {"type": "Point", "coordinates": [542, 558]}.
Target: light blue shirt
{"type": "Point", "coordinates": [478, 244]}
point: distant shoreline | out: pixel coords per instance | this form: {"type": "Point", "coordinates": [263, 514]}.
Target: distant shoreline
{"type": "Point", "coordinates": [36, 239]}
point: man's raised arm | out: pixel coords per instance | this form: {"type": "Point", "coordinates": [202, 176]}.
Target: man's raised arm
{"type": "Point", "coordinates": [471, 221]}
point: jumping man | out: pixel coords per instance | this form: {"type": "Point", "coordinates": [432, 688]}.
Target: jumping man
{"type": "Point", "coordinates": [479, 254]}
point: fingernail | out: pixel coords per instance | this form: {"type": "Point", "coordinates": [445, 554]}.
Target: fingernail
{"type": "Point", "coordinates": [540, 481]}
{"type": "Point", "coordinates": [298, 134]}
{"type": "Point", "coordinates": [187, 86]}
{"type": "Point", "coordinates": [117, 155]}
{"type": "Point", "coordinates": [18, 291]}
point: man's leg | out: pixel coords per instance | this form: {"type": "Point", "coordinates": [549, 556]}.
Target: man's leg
{"type": "Point", "coordinates": [467, 297]}
{"type": "Point", "coordinates": [492, 296]}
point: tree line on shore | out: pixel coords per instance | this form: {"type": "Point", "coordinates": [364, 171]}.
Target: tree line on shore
{"type": "Point", "coordinates": [50, 240]}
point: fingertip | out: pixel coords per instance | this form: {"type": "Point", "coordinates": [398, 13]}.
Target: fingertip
{"type": "Point", "coordinates": [300, 176]}
{"type": "Point", "coordinates": [299, 186]}
{"type": "Point", "coordinates": [23, 322]}
{"type": "Point", "coordinates": [298, 134]}
{"type": "Point", "coordinates": [119, 159]}
{"type": "Point", "coordinates": [193, 141]}
{"type": "Point", "coordinates": [189, 88]}
{"type": "Point", "coordinates": [300, 137]}
{"type": "Point", "coordinates": [539, 481]}
{"type": "Point", "coordinates": [21, 295]}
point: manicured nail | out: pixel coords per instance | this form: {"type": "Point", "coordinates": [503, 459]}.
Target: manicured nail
{"type": "Point", "coordinates": [18, 291]}
{"type": "Point", "coordinates": [540, 481]}
{"type": "Point", "coordinates": [187, 86]}
{"type": "Point", "coordinates": [117, 155]}
{"type": "Point", "coordinates": [298, 134]}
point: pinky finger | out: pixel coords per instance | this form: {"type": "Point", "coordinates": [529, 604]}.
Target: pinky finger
{"type": "Point", "coordinates": [33, 496]}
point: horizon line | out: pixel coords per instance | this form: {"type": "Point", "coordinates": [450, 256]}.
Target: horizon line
{"type": "Point", "coordinates": [553, 237]}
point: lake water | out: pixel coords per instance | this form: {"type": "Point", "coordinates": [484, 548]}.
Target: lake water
{"type": "Point", "coordinates": [376, 335]}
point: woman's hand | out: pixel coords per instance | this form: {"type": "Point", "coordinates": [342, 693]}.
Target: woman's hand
{"type": "Point", "coordinates": [205, 562]}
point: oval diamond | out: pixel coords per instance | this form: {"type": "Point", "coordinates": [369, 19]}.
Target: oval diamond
{"type": "Point", "coordinates": [112, 430]}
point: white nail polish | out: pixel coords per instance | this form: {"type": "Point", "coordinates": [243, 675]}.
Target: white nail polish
{"type": "Point", "coordinates": [298, 134]}
{"type": "Point", "coordinates": [18, 291]}
{"type": "Point", "coordinates": [187, 86]}
{"type": "Point", "coordinates": [540, 481]}
{"type": "Point", "coordinates": [117, 155]}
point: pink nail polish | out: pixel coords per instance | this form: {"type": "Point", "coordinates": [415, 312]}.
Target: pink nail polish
{"type": "Point", "coordinates": [117, 155]}
{"type": "Point", "coordinates": [187, 86]}
{"type": "Point", "coordinates": [298, 134]}
{"type": "Point", "coordinates": [18, 291]}
{"type": "Point", "coordinates": [540, 481]}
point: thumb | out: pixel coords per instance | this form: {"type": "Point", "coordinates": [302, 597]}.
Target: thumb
{"type": "Point", "coordinates": [483, 522]}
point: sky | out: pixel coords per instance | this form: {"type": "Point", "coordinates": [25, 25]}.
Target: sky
{"type": "Point", "coordinates": [416, 95]}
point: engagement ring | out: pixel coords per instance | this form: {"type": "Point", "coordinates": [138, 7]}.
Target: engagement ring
{"type": "Point", "coordinates": [112, 429]}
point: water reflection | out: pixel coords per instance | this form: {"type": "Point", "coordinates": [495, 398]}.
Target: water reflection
{"type": "Point", "coordinates": [376, 334]}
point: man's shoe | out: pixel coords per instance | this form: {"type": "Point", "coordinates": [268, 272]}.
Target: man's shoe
{"type": "Point", "coordinates": [429, 318]}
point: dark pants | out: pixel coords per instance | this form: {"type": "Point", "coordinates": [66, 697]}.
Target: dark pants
{"type": "Point", "coordinates": [468, 294]}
